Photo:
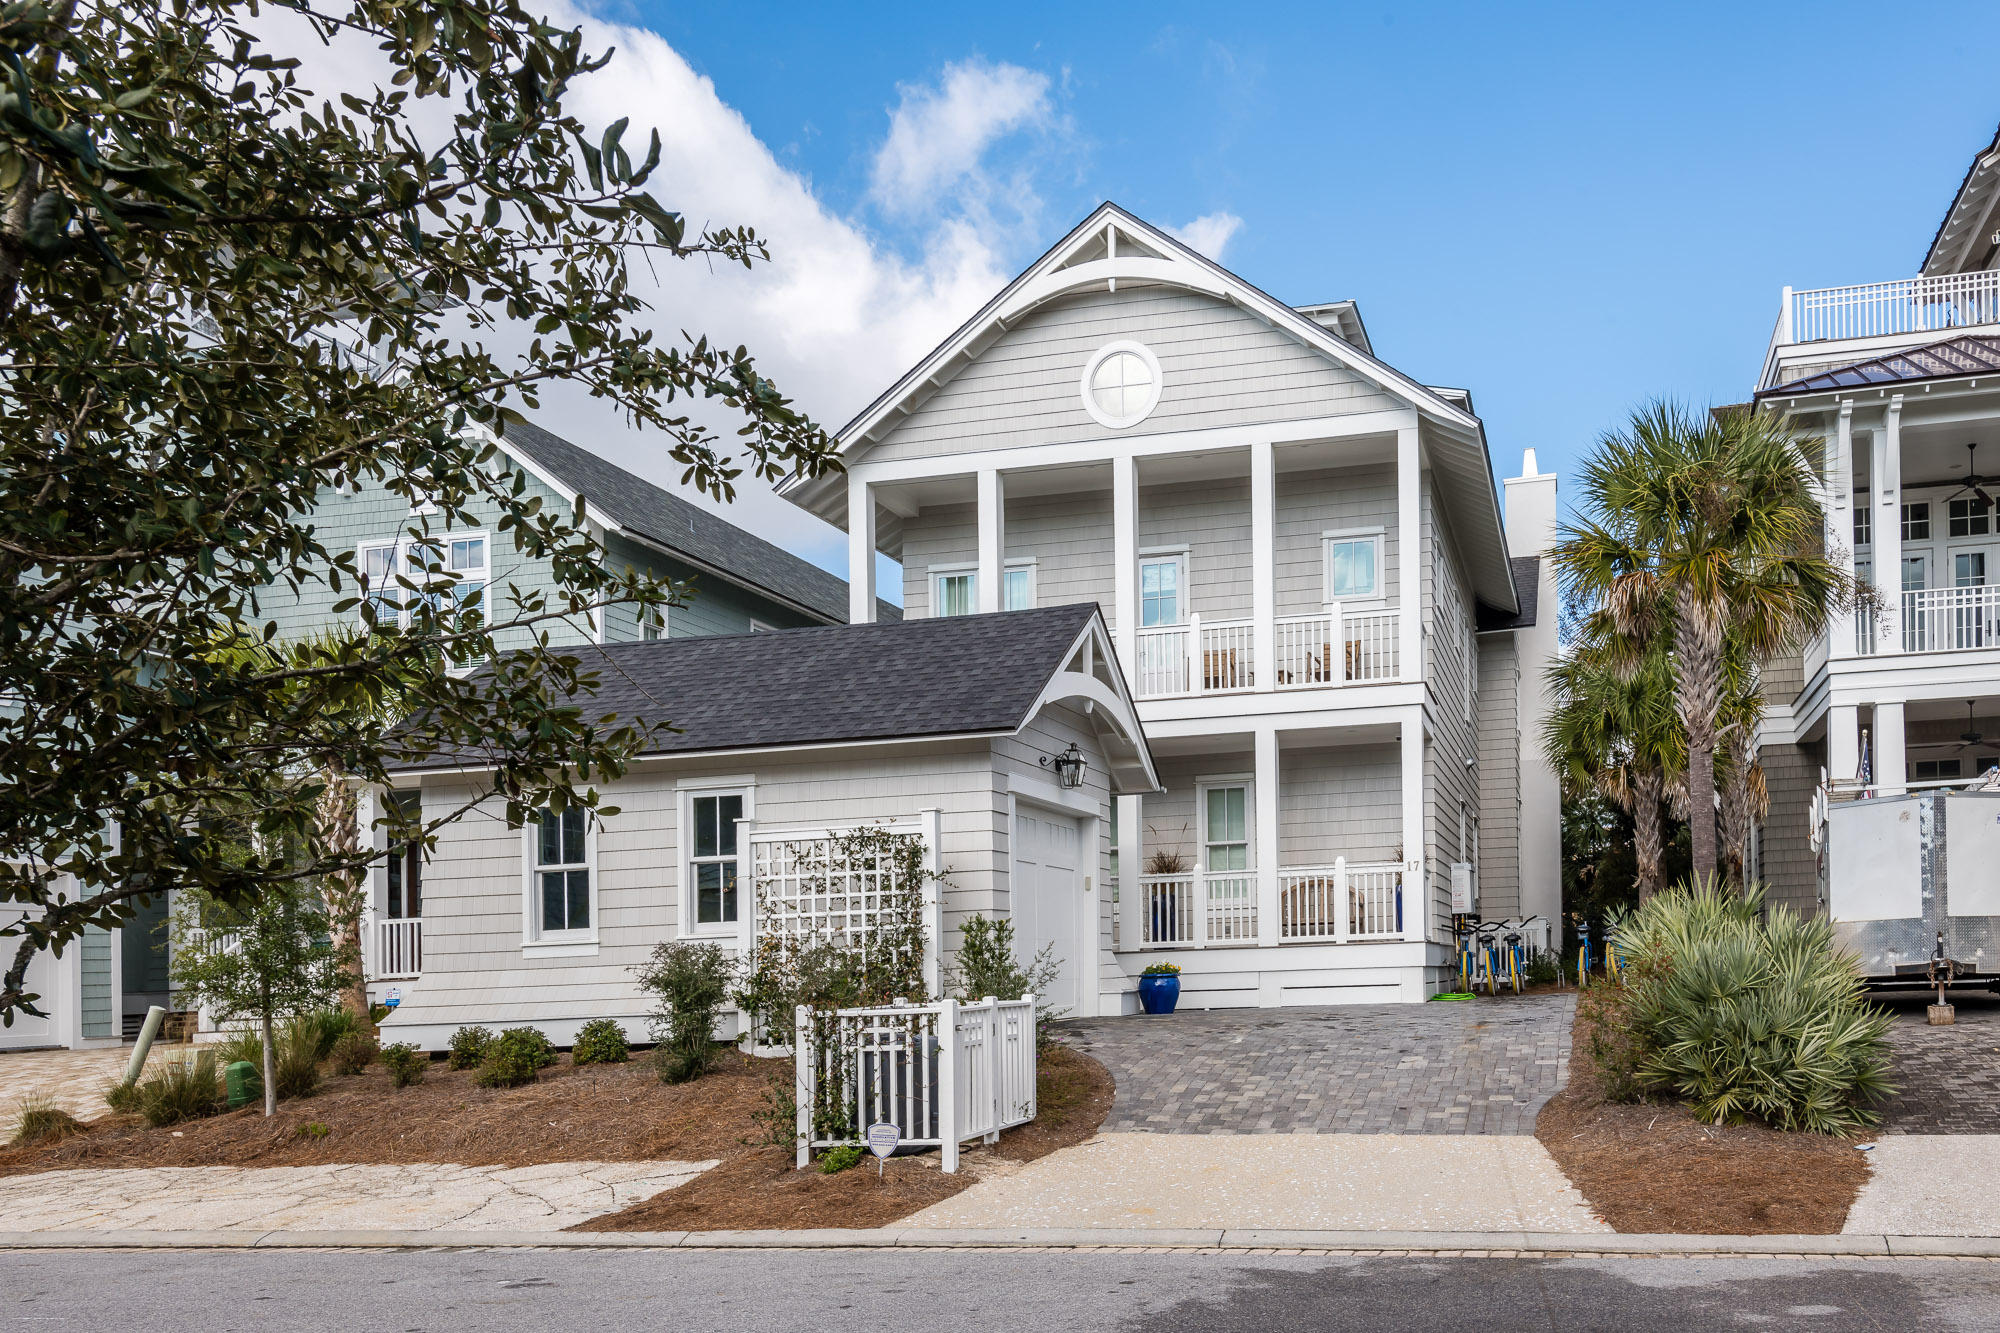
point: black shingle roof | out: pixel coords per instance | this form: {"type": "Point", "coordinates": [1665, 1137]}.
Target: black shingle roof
{"type": "Point", "coordinates": [945, 676]}
{"type": "Point", "coordinates": [705, 539]}
{"type": "Point", "coordinates": [1527, 586]}
{"type": "Point", "coordinates": [1967, 355]}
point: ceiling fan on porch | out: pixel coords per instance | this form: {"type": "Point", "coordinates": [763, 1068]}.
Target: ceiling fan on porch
{"type": "Point", "coordinates": [1973, 482]}
{"type": "Point", "coordinates": [1971, 735]}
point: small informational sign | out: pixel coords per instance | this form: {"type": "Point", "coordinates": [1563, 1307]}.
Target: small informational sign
{"type": "Point", "coordinates": [1461, 887]}
{"type": "Point", "coordinates": [394, 997]}
{"type": "Point", "coordinates": [882, 1140]}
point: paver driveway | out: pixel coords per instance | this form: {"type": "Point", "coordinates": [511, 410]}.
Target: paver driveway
{"type": "Point", "coordinates": [1478, 1067]}
{"type": "Point", "coordinates": [1947, 1078]}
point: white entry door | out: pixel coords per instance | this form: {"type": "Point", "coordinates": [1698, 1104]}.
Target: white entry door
{"type": "Point", "coordinates": [1048, 898]}
{"type": "Point", "coordinates": [41, 979]}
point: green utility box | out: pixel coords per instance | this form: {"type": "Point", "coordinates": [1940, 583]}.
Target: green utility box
{"type": "Point", "coordinates": [245, 1084]}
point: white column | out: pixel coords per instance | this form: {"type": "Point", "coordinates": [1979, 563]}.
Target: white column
{"type": "Point", "coordinates": [1886, 473]}
{"type": "Point", "coordinates": [1125, 553]}
{"type": "Point", "coordinates": [1843, 744]}
{"type": "Point", "coordinates": [1131, 864]}
{"type": "Point", "coordinates": [1891, 774]}
{"type": "Point", "coordinates": [1415, 894]}
{"type": "Point", "coordinates": [1263, 566]}
{"type": "Point", "coordinates": [1267, 837]}
{"type": "Point", "coordinates": [1840, 523]}
{"type": "Point", "coordinates": [1409, 557]}
{"type": "Point", "coordinates": [860, 551]}
{"type": "Point", "coordinates": [992, 537]}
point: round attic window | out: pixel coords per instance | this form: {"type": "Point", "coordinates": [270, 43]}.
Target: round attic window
{"type": "Point", "coordinates": [1121, 384]}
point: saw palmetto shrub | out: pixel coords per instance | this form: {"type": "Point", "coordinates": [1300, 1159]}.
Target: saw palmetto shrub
{"type": "Point", "coordinates": [181, 1088]}
{"type": "Point", "coordinates": [1750, 1013]}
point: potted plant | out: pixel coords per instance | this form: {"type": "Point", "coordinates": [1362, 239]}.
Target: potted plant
{"type": "Point", "coordinates": [1160, 988]}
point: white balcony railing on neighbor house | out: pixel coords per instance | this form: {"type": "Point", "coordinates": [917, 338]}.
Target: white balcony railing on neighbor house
{"type": "Point", "coordinates": [1884, 309]}
{"type": "Point", "coordinates": [393, 948]}
{"type": "Point", "coordinates": [1218, 657]}
{"type": "Point", "coordinates": [1944, 619]}
{"type": "Point", "coordinates": [1316, 905]}
{"type": "Point", "coordinates": [1340, 902]}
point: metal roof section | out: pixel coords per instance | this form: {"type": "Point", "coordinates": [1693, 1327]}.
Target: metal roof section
{"type": "Point", "coordinates": [1969, 237]}
{"type": "Point", "coordinates": [1970, 354]}
{"type": "Point", "coordinates": [935, 678]}
{"type": "Point", "coordinates": [1455, 439]}
{"type": "Point", "coordinates": [696, 535]}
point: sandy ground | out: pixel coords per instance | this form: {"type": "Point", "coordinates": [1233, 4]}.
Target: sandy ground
{"type": "Point", "coordinates": [1930, 1185]}
{"type": "Point", "coordinates": [333, 1198]}
{"type": "Point", "coordinates": [1389, 1182]}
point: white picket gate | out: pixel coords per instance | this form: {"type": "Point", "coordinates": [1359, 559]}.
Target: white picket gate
{"type": "Point", "coordinates": [889, 1065]}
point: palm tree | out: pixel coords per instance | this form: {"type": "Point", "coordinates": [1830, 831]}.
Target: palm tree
{"type": "Point", "coordinates": [1745, 798]}
{"type": "Point", "coordinates": [1613, 728]}
{"type": "Point", "coordinates": [1711, 523]}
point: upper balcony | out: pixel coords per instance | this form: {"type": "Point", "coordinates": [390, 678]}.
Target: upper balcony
{"type": "Point", "coordinates": [1830, 326]}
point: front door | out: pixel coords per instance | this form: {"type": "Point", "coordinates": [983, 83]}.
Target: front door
{"type": "Point", "coordinates": [1968, 575]}
{"type": "Point", "coordinates": [1049, 898]}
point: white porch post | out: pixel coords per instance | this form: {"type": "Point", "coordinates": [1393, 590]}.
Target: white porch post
{"type": "Point", "coordinates": [1840, 524]}
{"type": "Point", "coordinates": [1409, 559]}
{"type": "Point", "coordinates": [1131, 864]}
{"type": "Point", "coordinates": [1267, 837]}
{"type": "Point", "coordinates": [1415, 906]}
{"type": "Point", "coordinates": [992, 537]}
{"type": "Point", "coordinates": [860, 551]}
{"type": "Point", "coordinates": [1263, 566]}
{"type": "Point", "coordinates": [1125, 553]}
{"type": "Point", "coordinates": [1886, 486]}
{"type": "Point", "coordinates": [932, 821]}
{"type": "Point", "coordinates": [1891, 774]}
{"type": "Point", "coordinates": [1843, 744]}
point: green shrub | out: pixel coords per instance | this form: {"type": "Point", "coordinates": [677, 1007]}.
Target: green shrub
{"type": "Point", "coordinates": [1750, 1014]}
{"type": "Point", "coordinates": [328, 1026]}
{"type": "Point", "coordinates": [835, 1160]}
{"type": "Point", "coordinates": [354, 1052]}
{"type": "Point", "coordinates": [1542, 969]}
{"type": "Point", "coordinates": [123, 1097]}
{"type": "Point", "coordinates": [38, 1118]}
{"type": "Point", "coordinates": [314, 1130]}
{"type": "Point", "coordinates": [514, 1058]}
{"type": "Point", "coordinates": [295, 1058]}
{"type": "Point", "coordinates": [406, 1064]}
{"type": "Point", "coordinates": [690, 984]}
{"type": "Point", "coordinates": [1160, 970]}
{"type": "Point", "coordinates": [468, 1047]}
{"type": "Point", "coordinates": [601, 1041]}
{"type": "Point", "coordinates": [243, 1045]}
{"type": "Point", "coordinates": [182, 1088]}
{"type": "Point", "coordinates": [378, 1012]}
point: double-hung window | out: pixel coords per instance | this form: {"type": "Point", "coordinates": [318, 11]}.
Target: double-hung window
{"type": "Point", "coordinates": [1226, 828]}
{"type": "Point", "coordinates": [385, 566]}
{"type": "Point", "coordinates": [1863, 524]}
{"type": "Point", "coordinates": [957, 592]}
{"type": "Point", "coordinates": [711, 873]}
{"type": "Point", "coordinates": [1353, 566]}
{"type": "Point", "coordinates": [1162, 594]}
{"type": "Point", "coordinates": [1017, 586]}
{"type": "Point", "coordinates": [564, 896]}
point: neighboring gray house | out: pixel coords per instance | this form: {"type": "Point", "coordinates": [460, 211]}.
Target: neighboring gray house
{"type": "Point", "coordinates": [1336, 646]}
{"type": "Point", "coordinates": [942, 730]}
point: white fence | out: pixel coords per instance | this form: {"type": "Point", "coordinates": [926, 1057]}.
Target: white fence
{"type": "Point", "coordinates": [1880, 309]}
{"type": "Point", "coordinates": [892, 1065]}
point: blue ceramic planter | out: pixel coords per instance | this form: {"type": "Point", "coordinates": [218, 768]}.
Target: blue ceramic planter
{"type": "Point", "coordinates": [1159, 992]}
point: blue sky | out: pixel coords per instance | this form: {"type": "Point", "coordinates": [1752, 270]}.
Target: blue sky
{"type": "Point", "coordinates": [1563, 209]}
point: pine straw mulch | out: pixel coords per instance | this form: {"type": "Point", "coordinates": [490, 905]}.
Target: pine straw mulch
{"type": "Point", "coordinates": [1652, 1168]}
{"type": "Point", "coordinates": [760, 1189]}
{"type": "Point", "coordinates": [604, 1113]}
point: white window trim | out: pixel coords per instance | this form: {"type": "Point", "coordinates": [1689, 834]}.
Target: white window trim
{"type": "Point", "coordinates": [936, 572]}
{"type": "Point", "coordinates": [1034, 582]}
{"type": "Point", "coordinates": [1202, 787]}
{"type": "Point", "coordinates": [685, 791]}
{"type": "Point", "coordinates": [759, 627]}
{"type": "Point", "coordinates": [1097, 358]}
{"type": "Point", "coordinates": [537, 942]}
{"type": "Point", "coordinates": [402, 546]}
{"type": "Point", "coordinates": [1154, 555]}
{"type": "Point", "coordinates": [1375, 601]}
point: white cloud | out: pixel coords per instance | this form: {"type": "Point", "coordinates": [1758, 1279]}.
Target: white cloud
{"type": "Point", "coordinates": [1209, 233]}
{"type": "Point", "coordinates": [939, 134]}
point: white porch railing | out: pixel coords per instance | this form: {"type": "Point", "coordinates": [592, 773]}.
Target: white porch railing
{"type": "Point", "coordinates": [1216, 657]}
{"type": "Point", "coordinates": [1307, 655]}
{"type": "Point", "coordinates": [1200, 657]}
{"type": "Point", "coordinates": [895, 1065]}
{"type": "Point", "coordinates": [1340, 902]}
{"type": "Point", "coordinates": [1947, 619]}
{"type": "Point", "coordinates": [1880, 309]}
{"type": "Point", "coordinates": [1166, 910]}
{"type": "Point", "coordinates": [393, 948]}
{"type": "Point", "coordinates": [1190, 911]}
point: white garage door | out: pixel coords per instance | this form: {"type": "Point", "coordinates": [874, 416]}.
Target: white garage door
{"type": "Point", "coordinates": [1048, 898]}
{"type": "Point", "coordinates": [41, 980]}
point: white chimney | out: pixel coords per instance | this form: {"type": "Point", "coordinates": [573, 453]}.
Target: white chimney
{"type": "Point", "coordinates": [1528, 463]}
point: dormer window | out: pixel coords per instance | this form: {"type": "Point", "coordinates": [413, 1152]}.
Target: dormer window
{"type": "Point", "coordinates": [1121, 384]}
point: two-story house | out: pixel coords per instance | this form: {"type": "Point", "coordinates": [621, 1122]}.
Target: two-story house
{"type": "Point", "coordinates": [738, 583]}
{"type": "Point", "coordinates": [1335, 642]}
{"type": "Point", "coordinates": [1899, 384]}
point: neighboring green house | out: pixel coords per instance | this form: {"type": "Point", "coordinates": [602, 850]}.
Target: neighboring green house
{"type": "Point", "coordinates": [100, 990]}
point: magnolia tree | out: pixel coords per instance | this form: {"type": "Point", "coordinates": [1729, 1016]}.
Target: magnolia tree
{"type": "Point", "coordinates": [193, 241]}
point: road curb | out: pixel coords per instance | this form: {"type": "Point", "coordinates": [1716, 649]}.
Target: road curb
{"type": "Point", "coordinates": [1469, 1243]}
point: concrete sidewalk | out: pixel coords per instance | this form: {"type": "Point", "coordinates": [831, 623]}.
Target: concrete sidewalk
{"type": "Point", "coordinates": [1336, 1182]}
{"type": "Point", "coordinates": [1930, 1184]}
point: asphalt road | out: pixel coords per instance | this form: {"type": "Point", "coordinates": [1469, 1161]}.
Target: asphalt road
{"type": "Point", "coordinates": [1020, 1292]}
